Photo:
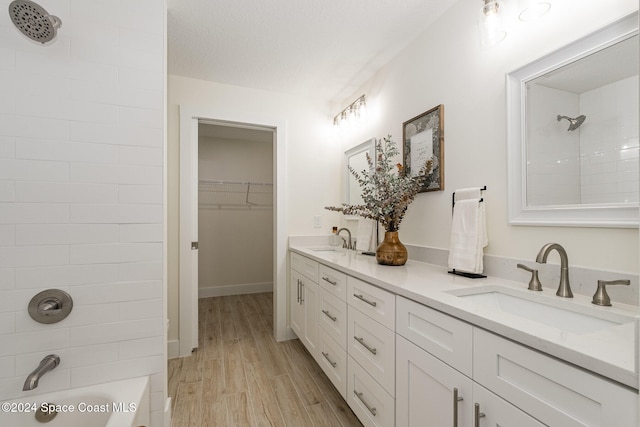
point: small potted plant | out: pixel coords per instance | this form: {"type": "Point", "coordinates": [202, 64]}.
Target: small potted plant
{"type": "Point", "coordinates": [387, 192]}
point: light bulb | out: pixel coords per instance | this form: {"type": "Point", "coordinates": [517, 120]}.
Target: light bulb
{"type": "Point", "coordinates": [490, 24]}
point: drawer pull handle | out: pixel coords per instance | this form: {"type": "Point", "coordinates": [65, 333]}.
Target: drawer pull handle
{"type": "Point", "coordinates": [326, 313]}
{"type": "Point", "coordinates": [301, 292]}
{"type": "Point", "coordinates": [477, 415]}
{"type": "Point", "coordinates": [361, 298]}
{"type": "Point", "coordinates": [364, 402]}
{"type": "Point", "coordinates": [456, 399]}
{"type": "Point", "coordinates": [373, 350]}
{"type": "Point", "coordinates": [326, 356]}
{"type": "Point", "coordinates": [326, 279]}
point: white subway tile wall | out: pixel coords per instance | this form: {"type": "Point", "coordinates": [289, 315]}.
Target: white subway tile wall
{"type": "Point", "coordinates": [81, 158]}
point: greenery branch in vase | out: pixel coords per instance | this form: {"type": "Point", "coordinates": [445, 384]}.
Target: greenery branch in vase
{"type": "Point", "coordinates": [387, 192]}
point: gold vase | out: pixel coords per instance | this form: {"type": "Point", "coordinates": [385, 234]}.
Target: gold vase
{"type": "Point", "coordinates": [391, 251]}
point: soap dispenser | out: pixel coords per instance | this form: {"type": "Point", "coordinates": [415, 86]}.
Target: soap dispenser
{"type": "Point", "coordinates": [334, 240]}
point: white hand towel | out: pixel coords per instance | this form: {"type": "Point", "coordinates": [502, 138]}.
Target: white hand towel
{"type": "Point", "coordinates": [365, 235]}
{"type": "Point", "coordinates": [467, 237]}
{"type": "Point", "coordinates": [475, 193]}
{"type": "Point", "coordinates": [468, 193]}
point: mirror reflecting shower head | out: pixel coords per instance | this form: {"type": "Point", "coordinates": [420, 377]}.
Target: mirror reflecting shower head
{"type": "Point", "coordinates": [33, 21]}
{"type": "Point", "coordinates": [573, 123]}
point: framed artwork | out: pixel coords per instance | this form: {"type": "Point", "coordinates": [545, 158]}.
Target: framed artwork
{"type": "Point", "coordinates": [423, 139]}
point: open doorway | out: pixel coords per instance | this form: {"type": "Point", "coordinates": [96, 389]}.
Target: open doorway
{"type": "Point", "coordinates": [235, 210]}
{"type": "Point", "coordinates": [190, 121]}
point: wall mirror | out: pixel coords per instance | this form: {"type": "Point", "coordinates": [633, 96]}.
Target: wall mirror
{"type": "Point", "coordinates": [356, 158]}
{"type": "Point", "coordinates": [572, 133]}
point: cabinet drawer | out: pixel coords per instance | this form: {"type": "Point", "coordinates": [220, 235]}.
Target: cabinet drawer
{"type": "Point", "coordinates": [373, 406]}
{"type": "Point", "coordinates": [333, 360]}
{"type": "Point", "coordinates": [333, 317]}
{"type": "Point", "coordinates": [446, 337]}
{"type": "Point", "coordinates": [554, 392]}
{"type": "Point", "coordinates": [377, 303]}
{"type": "Point", "coordinates": [305, 266]}
{"type": "Point", "coordinates": [373, 347]}
{"type": "Point", "coordinates": [333, 281]}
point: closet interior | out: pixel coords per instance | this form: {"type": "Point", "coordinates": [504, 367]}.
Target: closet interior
{"type": "Point", "coordinates": [235, 210]}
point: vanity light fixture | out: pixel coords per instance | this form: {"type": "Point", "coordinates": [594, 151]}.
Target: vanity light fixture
{"type": "Point", "coordinates": [532, 9]}
{"type": "Point", "coordinates": [490, 23]}
{"type": "Point", "coordinates": [354, 111]}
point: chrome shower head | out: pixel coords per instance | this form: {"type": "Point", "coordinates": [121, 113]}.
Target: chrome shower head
{"type": "Point", "coordinates": [33, 21]}
{"type": "Point", "coordinates": [573, 123]}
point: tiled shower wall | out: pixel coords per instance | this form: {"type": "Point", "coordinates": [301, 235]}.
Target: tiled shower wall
{"type": "Point", "coordinates": [81, 166]}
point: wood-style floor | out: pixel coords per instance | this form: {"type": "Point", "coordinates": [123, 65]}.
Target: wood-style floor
{"type": "Point", "coordinates": [240, 376]}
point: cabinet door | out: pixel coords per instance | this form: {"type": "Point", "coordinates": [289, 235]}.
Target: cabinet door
{"type": "Point", "coordinates": [295, 306]}
{"type": "Point", "coordinates": [310, 306]}
{"type": "Point", "coordinates": [428, 391]}
{"type": "Point", "coordinates": [496, 412]}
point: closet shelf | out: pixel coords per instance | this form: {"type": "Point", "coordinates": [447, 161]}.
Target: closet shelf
{"type": "Point", "coordinates": [235, 194]}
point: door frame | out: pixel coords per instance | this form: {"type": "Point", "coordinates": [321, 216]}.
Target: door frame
{"type": "Point", "coordinates": [189, 119]}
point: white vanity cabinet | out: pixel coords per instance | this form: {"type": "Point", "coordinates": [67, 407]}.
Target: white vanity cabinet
{"type": "Point", "coordinates": [303, 301]}
{"type": "Point", "coordinates": [508, 384]}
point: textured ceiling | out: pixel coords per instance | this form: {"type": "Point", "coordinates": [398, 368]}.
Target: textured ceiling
{"type": "Point", "coordinates": [319, 48]}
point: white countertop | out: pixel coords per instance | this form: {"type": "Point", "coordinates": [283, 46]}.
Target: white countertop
{"type": "Point", "coordinates": [611, 352]}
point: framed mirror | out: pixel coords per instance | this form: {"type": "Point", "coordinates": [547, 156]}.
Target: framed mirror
{"type": "Point", "coordinates": [572, 133]}
{"type": "Point", "coordinates": [356, 158]}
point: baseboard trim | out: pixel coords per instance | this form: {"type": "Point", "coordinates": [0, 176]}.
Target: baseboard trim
{"type": "Point", "coordinates": [249, 288]}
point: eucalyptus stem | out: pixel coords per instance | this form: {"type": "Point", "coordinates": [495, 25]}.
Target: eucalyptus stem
{"type": "Point", "coordinates": [387, 189]}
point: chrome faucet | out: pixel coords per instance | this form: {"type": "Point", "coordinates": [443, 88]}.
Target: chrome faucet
{"type": "Point", "coordinates": [564, 288]}
{"type": "Point", "coordinates": [349, 245]}
{"type": "Point", "coordinates": [47, 364]}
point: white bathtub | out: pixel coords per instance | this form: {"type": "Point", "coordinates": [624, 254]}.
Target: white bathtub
{"type": "Point", "coordinates": [116, 404]}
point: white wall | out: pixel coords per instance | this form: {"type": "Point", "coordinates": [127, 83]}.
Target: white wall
{"type": "Point", "coordinates": [235, 243]}
{"type": "Point", "coordinates": [81, 165]}
{"type": "Point", "coordinates": [312, 164]}
{"type": "Point", "coordinates": [447, 66]}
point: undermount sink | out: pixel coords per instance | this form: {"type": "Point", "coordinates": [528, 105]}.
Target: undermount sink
{"type": "Point", "coordinates": [559, 314]}
{"type": "Point", "coordinates": [327, 249]}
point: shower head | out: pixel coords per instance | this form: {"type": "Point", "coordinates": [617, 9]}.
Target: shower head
{"type": "Point", "coordinates": [33, 21]}
{"type": "Point", "coordinates": [573, 123]}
